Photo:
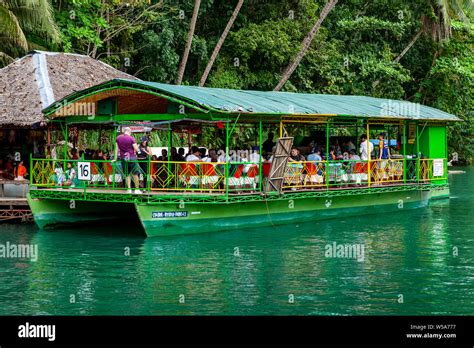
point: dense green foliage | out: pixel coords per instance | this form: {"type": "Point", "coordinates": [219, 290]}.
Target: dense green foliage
{"type": "Point", "coordinates": [354, 52]}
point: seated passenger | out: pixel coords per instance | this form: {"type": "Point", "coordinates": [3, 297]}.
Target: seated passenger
{"type": "Point", "coordinates": [357, 168]}
{"type": "Point", "coordinates": [70, 176]}
{"type": "Point", "coordinates": [194, 155]}
{"type": "Point", "coordinates": [164, 155]}
{"type": "Point", "coordinates": [20, 171]}
{"type": "Point", "coordinates": [212, 157]}
{"type": "Point", "coordinates": [353, 155]}
{"type": "Point", "coordinates": [180, 157]}
{"type": "Point", "coordinates": [315, 155]}
{"type": "Point", "coordinates": [295, 155]}
{"type": "Point", "coordinates": [173, 154]}
{"type": "Point", "coordinates": [332, 154]}
{"type": "Point", "coordinates": [202, 154]}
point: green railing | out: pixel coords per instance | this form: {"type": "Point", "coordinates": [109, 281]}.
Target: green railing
{"type": "Point", "coordinates": [153, 176]}
{"type": "Point", "coordinates": [49, 173]}
{"type": "Point", "coordinates": [243, 177]}
{"type": "Point", "coordinates": [204, 176]}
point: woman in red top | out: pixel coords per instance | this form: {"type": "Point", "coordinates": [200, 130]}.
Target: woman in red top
{"type": "Point", "coordinates": [20, 171]}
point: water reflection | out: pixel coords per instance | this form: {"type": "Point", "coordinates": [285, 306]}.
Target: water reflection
{"type": "Point", "coordinates": [407, 253]}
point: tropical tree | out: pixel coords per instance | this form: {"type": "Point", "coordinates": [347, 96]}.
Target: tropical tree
{"type": "Point", "coordinates": [305, 44]}
{"type": "Point", "coordinates": [189, 41]}
{"type": "Point", "coordinates": [437, 21]}
{"type": "Point", "coordinates": [220, 42]}
{"type": "Point", "coordinates": [25, 25]}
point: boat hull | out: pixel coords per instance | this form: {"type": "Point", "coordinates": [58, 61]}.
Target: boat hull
{"type": "Point", "coordinates": [176, 219]}
{"type": "Point", "coordinates": [52, 213]}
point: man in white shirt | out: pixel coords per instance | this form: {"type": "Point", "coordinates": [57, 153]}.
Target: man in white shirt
{"type": "Point", "coordinates": [364, 155]}
{"type": "Point", "coordinates": [194, 155]}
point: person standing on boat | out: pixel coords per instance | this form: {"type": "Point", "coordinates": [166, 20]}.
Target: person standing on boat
{"type": "Point", "coordinates": [384, 155]}
{"type": "Point", "coordinates": [366, 148]}
{"type": "Point", "coordinates": [384, 152]}
{"type": "Point", "coordinates": [143, 154]}
{"type": "Point", "coordinates": [268, 144]}
{"type": "Point", "coordinates": [127, 148]}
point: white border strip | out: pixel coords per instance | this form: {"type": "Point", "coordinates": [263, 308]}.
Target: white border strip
{"type": "Point", "coordinates": [42, 79]}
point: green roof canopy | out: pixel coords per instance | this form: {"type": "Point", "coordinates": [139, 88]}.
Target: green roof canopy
{"type": "Point", "coordinates": [230, 101]}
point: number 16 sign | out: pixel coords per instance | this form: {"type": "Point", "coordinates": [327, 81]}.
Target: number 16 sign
{"type": "Point", "coordinates": [84, 171]}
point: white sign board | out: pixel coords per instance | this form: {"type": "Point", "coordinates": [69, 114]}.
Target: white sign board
{"type": "Point", "coordinates": [438, 167]}
{"type": "Point", "coordinates": [84, 171]}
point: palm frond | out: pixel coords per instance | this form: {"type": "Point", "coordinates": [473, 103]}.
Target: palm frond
{"type": "Point", "coordinates": [35, 17]}
{"type": "Point", "coordinates": [12, 37]}
{"type": "Point", "coordinates": [5, 59]}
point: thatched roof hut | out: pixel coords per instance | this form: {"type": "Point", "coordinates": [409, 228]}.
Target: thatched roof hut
{"type": "Point", "coordinates": [33, 82]}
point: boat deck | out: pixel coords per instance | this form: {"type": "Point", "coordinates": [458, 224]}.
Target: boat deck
{"type": "Point", "coordinates": [203, 196]}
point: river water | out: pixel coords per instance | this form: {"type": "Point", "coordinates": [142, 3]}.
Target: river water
{"type": "Point", "coordinates": [415, 262]}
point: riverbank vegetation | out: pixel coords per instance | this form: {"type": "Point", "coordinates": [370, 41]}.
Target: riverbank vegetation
{"type": "Point", "coordinates": [421, 51]}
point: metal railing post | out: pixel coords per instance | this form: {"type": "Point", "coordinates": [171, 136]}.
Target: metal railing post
{"type": "Point", "coordinates": [369, 169]}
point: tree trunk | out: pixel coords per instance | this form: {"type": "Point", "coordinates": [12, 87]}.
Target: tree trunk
{"type": "Point", "coordinates": [219, 43]}
{"type": "Point", "coordinates": [400, 56]}
{"type": "Point", "coordinates": [306, 43]}
{"type": "Point", "coordinates": [184, 59]}
{"type": "Point", "coordinates": [412, 42]}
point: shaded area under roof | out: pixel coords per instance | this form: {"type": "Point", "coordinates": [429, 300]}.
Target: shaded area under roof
{"type": "Point", "coordinates": [278, 103]}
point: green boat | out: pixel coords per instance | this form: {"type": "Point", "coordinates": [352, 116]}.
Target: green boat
{"type": "Point", "coordinates": [241, 188]}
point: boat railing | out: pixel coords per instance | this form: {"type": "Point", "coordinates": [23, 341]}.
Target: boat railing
{"type": "Point", "coordinates": [60, 173]}
{"type": "Point", "coordinates": [320, 174]}
{"type": "Point", "coordinates": [339, 173]}
{"type": "Point", "coordinates": [236, 177]}
{"type": "Point", "coordinates": [204, 176]}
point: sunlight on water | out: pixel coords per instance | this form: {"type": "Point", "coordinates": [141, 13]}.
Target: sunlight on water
{"type": "Point", "coordinates": [409, 255]}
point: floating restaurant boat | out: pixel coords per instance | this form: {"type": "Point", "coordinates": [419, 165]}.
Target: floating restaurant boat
{"type": "Point", "coordinates": [238, 193]}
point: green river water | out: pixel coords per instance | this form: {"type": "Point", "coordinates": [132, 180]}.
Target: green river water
{"type": "Point", "coordinates": [416, 262]}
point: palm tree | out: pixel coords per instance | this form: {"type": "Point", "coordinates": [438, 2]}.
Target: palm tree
{"type": "Point", "coordinates": [305, 44]}
{"type": "Point", "coordinates": [437, 24]}
{"type": "Point", "coordinates": [187, 48]}
{"type": "Point", "coordinates": [20, 19]}
{"type": "Point", "coordinates": [220, 42]}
